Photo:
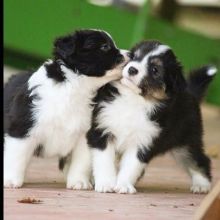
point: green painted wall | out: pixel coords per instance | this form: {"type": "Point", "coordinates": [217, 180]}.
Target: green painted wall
{"type": "Point", "coordinates": [30, 27]}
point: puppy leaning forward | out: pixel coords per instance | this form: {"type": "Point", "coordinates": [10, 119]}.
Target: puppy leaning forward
{"type": "Point", "coordinates": [47, 113]}
{"type": "Point", "coordinates": [152, 111]}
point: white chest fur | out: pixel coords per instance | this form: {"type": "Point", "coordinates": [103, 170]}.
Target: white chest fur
{"type": "Point", "coordinates": [61, 111]}
{"type": "Point", "coordinates": [127, 119]}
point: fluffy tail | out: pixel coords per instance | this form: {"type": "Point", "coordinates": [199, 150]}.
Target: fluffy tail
{"type": "Point", "coordinates": [199, 79]}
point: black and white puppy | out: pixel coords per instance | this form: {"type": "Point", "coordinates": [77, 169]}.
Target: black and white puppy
{"type": "Point", "coordinates": [47, 112]}
{"type": "Point", "coordinates": [152, 111]}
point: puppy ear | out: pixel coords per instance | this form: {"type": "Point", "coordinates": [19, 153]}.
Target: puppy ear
{"type": "Point", "coordinates": [175, 81]}
{"type": "Point", "coordinates": [64, 46]}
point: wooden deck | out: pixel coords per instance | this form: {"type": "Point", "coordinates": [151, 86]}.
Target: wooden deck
{"type": "Point", "coordinates": [163, 193]}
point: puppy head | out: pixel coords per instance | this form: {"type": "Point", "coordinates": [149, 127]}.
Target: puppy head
{"type": "Point", "coordinates": [90, 52]}
{"type": "Point", "coordinates": [155, 70]}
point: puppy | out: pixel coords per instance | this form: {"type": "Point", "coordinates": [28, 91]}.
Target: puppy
{"type": "Point", "coordinates": [153, 110]}
{"type": "Point", "coordinates": [47, 112]}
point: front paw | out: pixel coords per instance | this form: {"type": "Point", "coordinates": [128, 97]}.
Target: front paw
{"type": "Point", "coordinates": [13, 182]}
{"type": "Point", "coordinates": [82, 184]}
{"type": "Point", "coordinates": [105, 186]}
{"type": "Point", "coordinates": [125, 188]}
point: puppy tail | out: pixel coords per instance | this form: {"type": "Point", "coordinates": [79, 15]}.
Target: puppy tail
{"type": "Point", "coordinates": [199, 79]}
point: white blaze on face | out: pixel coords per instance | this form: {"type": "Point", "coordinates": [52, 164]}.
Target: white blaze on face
{"type": "Point", "coordinates": [141, 66]}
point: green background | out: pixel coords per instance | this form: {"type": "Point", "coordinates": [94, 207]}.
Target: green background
{"type": "Point", "coordinates": [31, 26]}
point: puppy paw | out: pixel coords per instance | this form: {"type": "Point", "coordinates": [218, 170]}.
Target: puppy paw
{"type": "Point", "coordinates": [200, 188]}
{"type": "Point", "coordinates": [13, 182]}
{"type": "Point", "coordinates": [200, 183]}
{"type": "Point", "coordinates": [125, 188]}
{"type": "Point", "coordinates": [105, 187]}
{"type": "Point", "coordinates": [79, 185]}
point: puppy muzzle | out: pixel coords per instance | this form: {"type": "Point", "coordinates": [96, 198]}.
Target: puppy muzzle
{"type": "Point", "coordinates": [125, 54]}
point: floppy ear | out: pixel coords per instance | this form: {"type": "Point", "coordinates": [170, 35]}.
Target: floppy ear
{"type": "Point", "coordinates": [174, 79]}
{"type": "Point", "coordinates": [64, 47]}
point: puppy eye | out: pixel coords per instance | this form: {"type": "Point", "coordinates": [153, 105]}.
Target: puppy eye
{"type": "Point", "coordinates": [105, 47]}
{"type": "Point", "coordinates": [154, 70]}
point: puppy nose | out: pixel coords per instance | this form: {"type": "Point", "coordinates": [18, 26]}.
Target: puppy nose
{"type": "Point", "coordinates": [119, 59]}
{"type": "Point", "coordinates": [132, 71]}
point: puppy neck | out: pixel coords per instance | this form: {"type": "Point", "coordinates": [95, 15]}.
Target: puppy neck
{"type": "Point", "coordinates": [155, 95]}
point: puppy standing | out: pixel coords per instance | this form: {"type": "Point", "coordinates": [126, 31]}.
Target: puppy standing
{"type": "Point", "coordinates": [47, 112]}
{"type": "Point", "coordinates": [158, 114]}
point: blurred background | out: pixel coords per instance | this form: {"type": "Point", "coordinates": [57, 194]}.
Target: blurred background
{"type": "Point", "coordinates": [190, 27]}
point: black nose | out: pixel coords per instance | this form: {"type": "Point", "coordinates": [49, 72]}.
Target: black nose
{"type": "Point", "coordinates": [119, 59]}
{"type": "Point", "coordinates": [132, 71]}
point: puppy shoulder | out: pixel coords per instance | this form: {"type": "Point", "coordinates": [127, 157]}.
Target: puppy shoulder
{"type": "Point", "coordinates": [106, 93]}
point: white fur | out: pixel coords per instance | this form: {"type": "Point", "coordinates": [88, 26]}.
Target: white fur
{"type": "Point", "coordinates": [104, 169]}
{"type": "Point", "coordinates": [16, 161]}
{"type": "Point", "coordinates": [137, 53]}
{"type": "Point", "coordinates": [130, 170]}
{"type": "Point", "coordinates": [132, 131]}
{"type": "Point", "coordinates": [61, 119]}
{"type": "Point", "coordinates": [78, 176]}
{"type": "Point", "coordinates": [212, 71]}
{"type": "Point", "coordinates": [132, 109]}
{"type": "Point", "coordinates": [130, 85]}
{"type": "Point", "coordinates": [200, 183]}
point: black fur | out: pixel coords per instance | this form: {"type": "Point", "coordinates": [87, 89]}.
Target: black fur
{"type": "Point", "coordinates": [181, 124]}
{"type": "Point", "coordinates": [199, 80]}
{"type": "Point", "coordinates": [17, 106]}
{"type": "Point", "coordinates": [84, 54]}
{"type": "Point", "coordinates": [89, 52]}
{"type": "Point", "coordinates": [169, 72]}
{"type": "Point", "coordinates": [63, 161]}
{"type": "Point", "coordinates": [54, 71]}
{"type": "Point", "coordinates": [143, 48]}
{"type": "Point", "coordinates": [39, 151]}
{"type": "Point", "coordinates": [106, 93]}
{"type": "Point", "coordinates": [95, 136]}
{"type": "Point", "coordinates": [178, 116]}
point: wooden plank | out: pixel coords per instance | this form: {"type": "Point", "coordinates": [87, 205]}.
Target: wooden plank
{"type": "Point", "coordinates": [163, 194]}
{"type": "Point", "coordinates": [210, 206]}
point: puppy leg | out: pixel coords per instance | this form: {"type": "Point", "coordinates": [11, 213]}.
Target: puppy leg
{"type": "Point", "coordinates": [79, 170]}
{"type": "Point", "coordinates": [130, 170]}
{"type": "Point", "coordinates": [197, 164]}
{"type": "Point", "coordinates": [17, 154]}
{"type": "Point", "coordinates": [104, 169]}
{"type": "Point", "coordinates": [64, 164]}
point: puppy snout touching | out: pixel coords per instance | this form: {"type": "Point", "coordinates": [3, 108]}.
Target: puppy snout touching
{"type": "Point", "coordinates": [125, 54]}
{"type": "Point", "coordinates": [120, 59]}
{"type": "Point", "coordinates": [129, 55]}
{"type": "Point", "coordinates": [132, 71]}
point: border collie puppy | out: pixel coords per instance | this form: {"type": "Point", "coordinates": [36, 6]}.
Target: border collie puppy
{"type": "Point", "coordinates": [47, 112]}
{"type": "Point", "coordinates": [152, 111]}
